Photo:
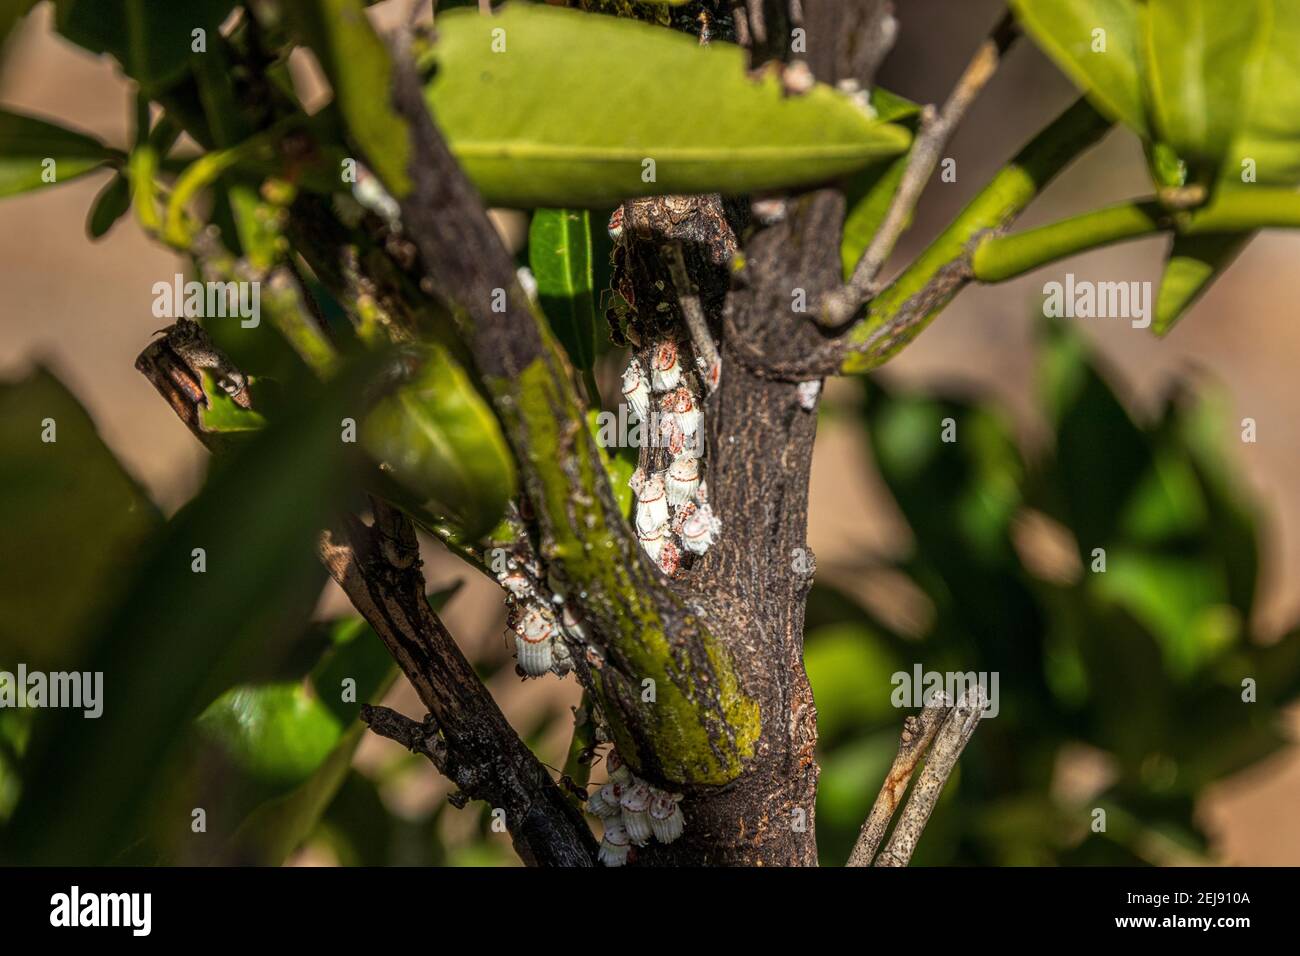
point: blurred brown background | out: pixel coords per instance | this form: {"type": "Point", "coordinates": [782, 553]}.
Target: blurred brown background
{"type": "Point", "coordinates": [84, 310]}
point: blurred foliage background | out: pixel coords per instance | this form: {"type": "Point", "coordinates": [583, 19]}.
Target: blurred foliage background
{"type": "Point", "coordinates": [1119, 691]}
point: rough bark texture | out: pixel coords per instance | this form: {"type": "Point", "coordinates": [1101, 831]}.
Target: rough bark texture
{"type": "Point", "coordinates": [752, 584]}
{"type": "Point", "coordinates": [379, 569]}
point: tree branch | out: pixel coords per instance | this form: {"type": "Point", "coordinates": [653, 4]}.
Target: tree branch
{"type": "Point", "coordinates": [926, 150]}
{"type": "Point", "coordinates": [951, 740]}
{"type": "Point", "coordinates": [701, 726]}
{"type": "Point", "coordinates": [379, 570]}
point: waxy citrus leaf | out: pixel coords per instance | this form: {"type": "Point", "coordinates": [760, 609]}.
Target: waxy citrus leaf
{"type": "Point", "coordinates": [361, 73]}
{"type": "Point", "coordinates": [870, 193]}
{"type": "Point", "coordinates": [1100, 45]}
{"type": "Point", "coordinates": [559, 254]}
{"type": "Point", "coordinates": [551, 107]}
{"type": "Point", "coordinates": [72, 518]}
{"type": "Point", "coordinates": [35, 154]}
{"type": "Point", "coordinates": [1196, 66]}
{"type": "Point", "coordinates": [438, 439]}
{"type": "Point", "coordinates": [1268, 140]}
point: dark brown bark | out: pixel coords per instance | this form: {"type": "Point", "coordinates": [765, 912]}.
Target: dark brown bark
{"type": "Point", "coordinates": [379, 570]}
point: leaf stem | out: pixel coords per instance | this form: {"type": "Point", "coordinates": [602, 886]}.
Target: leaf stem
{"type": "Point", "coordinates": [998, 258]}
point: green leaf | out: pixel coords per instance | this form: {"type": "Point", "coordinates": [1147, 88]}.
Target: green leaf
{"type": "Point", "coordinates": [360, 71]}
{"type": "Point", "coordinates": [439, 440]}
{"type": "Point", "coordinates": [1194, 262]}
{"type": "Point", "coordinates": [308, 725]}
{"type": "Point", "coordinates": [112, 203]}
{"type": "Point", "coordinates": [152, 41]}
{"type": "Point", "coordinates": [1196, 67]}
{"type": "Point", "coordinates": [34, 153]}
{"type": "Point", "coordinates": [1113, 79]}
{"type": "Point", "coordinates": [181, 636]}
{"type": "Point", "coordinates": [559, 254]}
{"type": "Point", "coordinates": [572, 107]}
{"type": "Point", "coordinates": [869, 194]}
{"type": "Point", "coordinates": [72, 519]}
{"type": "Point", "coordinates": [1269, 136]}
{"type": "Point", "coordinates": [222, 414]}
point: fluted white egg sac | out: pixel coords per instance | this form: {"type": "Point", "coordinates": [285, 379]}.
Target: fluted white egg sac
{"type": "Point", "coordinates": [700, 529]}
{"type": "Point", "coordinates": [534, 656]}
{"type": "Point", "coordinates": [636, 389]}
{"type": "Point", "coordinates": [665, 372]}
{"type": "Point", "coordinates": [652, 542]}
{"type": "Point", "coordinates": [682, 481]}
{"type": "Point", "coordinates": [688, 413]}
{"type": "Point", "coordinates": [615, 844]}
{"type": "Point", "coordinates": [636, 813]}
{"type": "Point", "coordinates": [533, 641]}
{"type": "Point", "coordinates": [618, 771]}
{"type": "Point", "coordinates": [666, 819]}
{"type": "Point", "coordinates": [652, 502]}
{"type": "Point", "coordinates": [597, 805]}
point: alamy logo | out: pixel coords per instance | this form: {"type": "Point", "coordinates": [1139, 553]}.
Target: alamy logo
{"type": "Point", "coordinates": [134, 910]}
{"type": "Point", "coordinates": [1098, 300]}
{"type": "Point", "coordinates": [78, 690]}
{"type": "Point", "coordinates": [918, 687]}
{"type": "Point", "coordinates": [179, 299]}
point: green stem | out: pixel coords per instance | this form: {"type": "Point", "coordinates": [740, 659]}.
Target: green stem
{"type": "Point", "coordinates": [998, 258]}
{"type": "Point", "coordinates": [1003, 257]}
{"type": "Point", "coordinates": [903, 309]}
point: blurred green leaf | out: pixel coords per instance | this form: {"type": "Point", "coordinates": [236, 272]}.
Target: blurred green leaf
{"type": "Point", "coordinates": [153, 41]}
{"type": "Point", "coordinates": [440, 441]}
{"type": "Point", "coordinates": [112, 203]}
{"type": "Point", "coordinates": [850, 672]}
{"type": "Point", "coordinates": [1197, 60]}
{"type": "Point", "coordinates": [290, 743]}
{"type": "Point", "coordinates": [361, 73]}
{"type": "Point", "coordinates": [35, 153]}
{"type": "Point", "coordinates": [73, 520]}
{"type": "Point", "coordinates": [180, 636]}
{"type": "Point", "coordinates": [524, 98]}
{"type": "Point", "coordinates": [1269, 136]}
{"type": "Point", "coordinates": [559, 254]}
{"type": "Point", "coordinates": [870, 192]}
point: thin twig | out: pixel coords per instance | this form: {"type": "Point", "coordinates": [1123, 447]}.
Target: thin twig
{"type": "Point", "coordinates": [936, 129]}
{"type": "Point", "coordinates": [948, 744]}
{"type": "Point", "coordinates": [693, 313]}
{"type": "Point", "coordinates": [419, 737]}
{"type": "Point", "coordinates": [918, 731]}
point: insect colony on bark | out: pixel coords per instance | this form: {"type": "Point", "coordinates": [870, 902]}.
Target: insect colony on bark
{"type": "Point", "coordinates": [633, 812]}
{"type": "Point", "coordinates": [673, 514]}
{"type": "Point", "coordinates": [663, 386]}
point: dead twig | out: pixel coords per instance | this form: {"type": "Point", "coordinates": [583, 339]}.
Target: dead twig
{"type": "Point", "coordinates": [918, 731]}
{"type": "Point", "coordinates": [951, 740]}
